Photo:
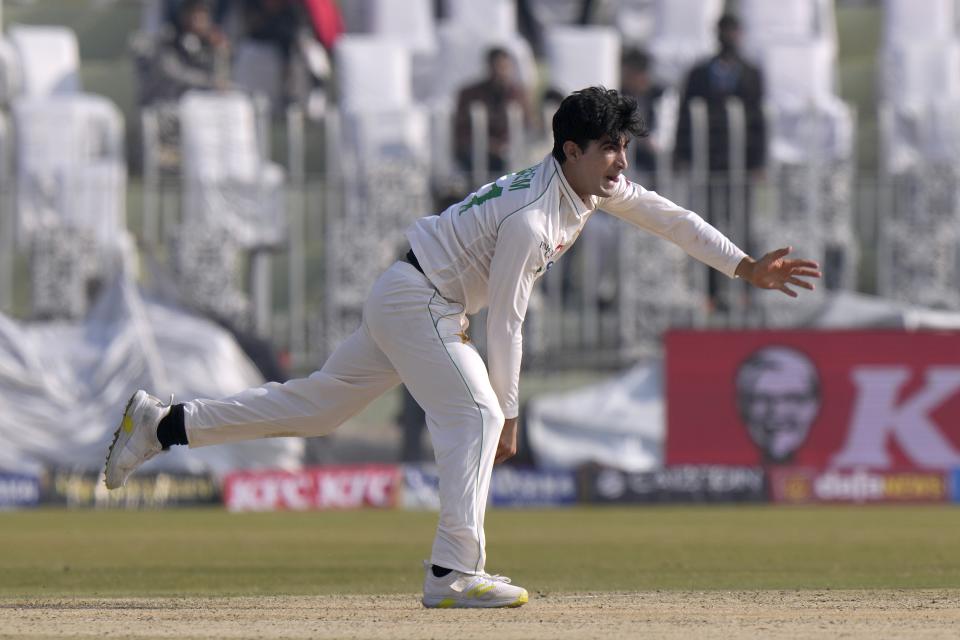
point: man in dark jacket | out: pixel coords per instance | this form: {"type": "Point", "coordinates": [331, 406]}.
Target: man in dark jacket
{"type": "Point", "coordinates": [636, 80]}
{"type": "Point", "coordinates": [496, 92]}
{"type": "Point", "coordinates": [715, 80]}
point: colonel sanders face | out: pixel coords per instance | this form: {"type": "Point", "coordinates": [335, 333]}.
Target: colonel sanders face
{"type": "Point", "coordinates": [778, 393]}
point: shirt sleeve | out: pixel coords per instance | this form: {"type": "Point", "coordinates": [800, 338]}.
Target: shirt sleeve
{"type": "Point", "coordinates": [658, 215]}
{"type": "Point", "coordinates": [513, 270]}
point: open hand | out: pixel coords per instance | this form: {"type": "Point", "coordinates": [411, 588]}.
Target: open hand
{"type": "Point", "coordinates": [774, 271]}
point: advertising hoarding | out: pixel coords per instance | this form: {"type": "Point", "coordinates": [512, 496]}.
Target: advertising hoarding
{"type": "Point", "coordinates": [18, 490]}
{"type": "Point", "coordinates": [510, 487]}
{"type": "Point", "coordinates": [141, 491]}
{"type": "Point", "coordinates": [818, 399]}
{"type": "Point", "coordinates": [859, 486]}
{"type": "Point", "coordinates": [682, 484]}
{"type": "Point", "coordinates": [316, 488]}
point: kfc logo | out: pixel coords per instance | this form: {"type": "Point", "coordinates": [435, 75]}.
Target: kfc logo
{"type": "Point", "coordinates": [336, 487]}
{"type": "Point", "coordinates": [839, 400]}
{"type": "Point", "coordinates": [778, 395]}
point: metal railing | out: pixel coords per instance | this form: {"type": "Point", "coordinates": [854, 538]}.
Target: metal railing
{"type": "Point", "coordinates": [608, 302]}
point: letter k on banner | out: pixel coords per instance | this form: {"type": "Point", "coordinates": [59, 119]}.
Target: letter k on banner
{"type": "Point", "coordinates": [878, 417]}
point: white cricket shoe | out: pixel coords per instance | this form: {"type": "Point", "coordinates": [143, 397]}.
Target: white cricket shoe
{"type": "Point", "coordinates": [135, 441]}
{"type": "Point", "coordinates": [464, 590]}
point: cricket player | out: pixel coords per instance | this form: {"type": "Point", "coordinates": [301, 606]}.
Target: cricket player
{"type": "Point", "coordinates": [486, 251]}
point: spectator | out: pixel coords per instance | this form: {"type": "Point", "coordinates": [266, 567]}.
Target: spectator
{"type": "Point", "coordinates": [219, 10]}
{"type": "Point", "coordinates": [276, 22]}
{"type": "Point", "coordinates": [283, 22]}
{"type": "Point", "coordinates": [636, 80]}
{"type": "Point", "coordinates": [326, 20]}
{"type": "Point", "coordinates": [193, 54]}
{"type": "Point", "coordinates": [725, 75]}
{"type": "Point", "coordinates": [496, 92]}
{"type": "Point", "coordinates": [295, 30]}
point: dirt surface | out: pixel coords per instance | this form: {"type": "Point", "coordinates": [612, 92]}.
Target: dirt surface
{"type": "Point", "coordinates": [727, 615]}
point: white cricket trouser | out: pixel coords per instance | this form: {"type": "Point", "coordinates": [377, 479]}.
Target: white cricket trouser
{"type": "Point", "coordinates": [409, 333]}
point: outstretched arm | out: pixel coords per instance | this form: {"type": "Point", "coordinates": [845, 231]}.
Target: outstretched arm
{"type": "Point", "coordinates": [774, 271]}
{"type": "Point", "coordinates": [653, 212]}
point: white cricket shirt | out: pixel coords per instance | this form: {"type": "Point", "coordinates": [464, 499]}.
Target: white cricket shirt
{"type": "Point", "coordinates": [489, 249]}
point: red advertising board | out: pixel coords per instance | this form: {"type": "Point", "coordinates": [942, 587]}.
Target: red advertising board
{"type": "Point", "coordinates": [794, 485]}
{"type": "Point", "coordinates": [334, 487]}
{"type": "Point", "coordinates": [818, 399]}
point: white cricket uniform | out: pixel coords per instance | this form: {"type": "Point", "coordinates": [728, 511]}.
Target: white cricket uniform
{"type": "Point", "coordinates": [486, 251]}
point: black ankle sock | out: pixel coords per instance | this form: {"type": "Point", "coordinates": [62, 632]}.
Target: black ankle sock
{"type": "Point", "coordinates": [171, 429]}
{"type": "Point", "coordinates": [439, 572]}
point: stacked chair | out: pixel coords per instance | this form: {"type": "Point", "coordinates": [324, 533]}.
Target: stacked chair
{"type": "Point", "coordinates": [919, 76]}
{"type": "Point", "coordinates": [70, 173]}
{"type": "Point", "coordinates": [378, 171]}
{"type": "Point", "coordinates": [233, 193]}
{"type": "Point", "coordinates": [684, 32]}
{"type": "Point", "coordinates": [811, 146]}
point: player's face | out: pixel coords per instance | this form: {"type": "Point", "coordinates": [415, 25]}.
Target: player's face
{"type": "Point", "coordinates": [598, 167]}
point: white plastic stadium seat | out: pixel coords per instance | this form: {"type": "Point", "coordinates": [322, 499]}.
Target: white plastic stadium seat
{"type": "Point", "coordinates": [49, 59]}
{"type": "Point", "coordinates": [684, 32]}
{"type": "Point", "coordinates": [580, 57]}
{"type": "Point", "coordinates": [409, 22]}
{"type": "Point", "coordinates": [219, 136]}
{"type": "Point", "coordinates": [401, 135]}
{"type": "Point", "coordinates": [799, 75]}
{"type": "Point", "coordinates": [373, 73]}
{"type": "Point", "coordinates": [227, 179]}
{"type": "Point", "coordinates": [488, 19]}
{"type": "Point", "coordinates": [635, 21]}
{"type": "Point", "coordinates": [70, 166]}
{"type": "Point", "coordinates": [808, 118]}
{"type": "Point", "coordinates": [915, 73]}
{"type": "Point", "coordinates": [910, 21]}
{"type": "Point", "coordinates": [767, 24]}
{"type": "Point", "coordinates": [918, 79]}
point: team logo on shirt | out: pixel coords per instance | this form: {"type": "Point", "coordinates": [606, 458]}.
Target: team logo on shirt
{"type": "Point", "coordinates": [476, 199]}
{"type": "Point", "coordinates": [542, 269]}
{"type": "Point", "coordinates": [548, 253]}
{"type": "Point", "coordinates": [522, 179]}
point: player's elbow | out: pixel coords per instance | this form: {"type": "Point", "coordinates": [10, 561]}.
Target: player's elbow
{"type": "Point", "coordinates": [493, 417]}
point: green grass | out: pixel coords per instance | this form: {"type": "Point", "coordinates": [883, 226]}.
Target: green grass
{"type": "Point", "coordinates": [211, 552]}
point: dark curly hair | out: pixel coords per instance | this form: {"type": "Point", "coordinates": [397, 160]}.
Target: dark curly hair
{"type": "Point", "coordinates": [591, 113]}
